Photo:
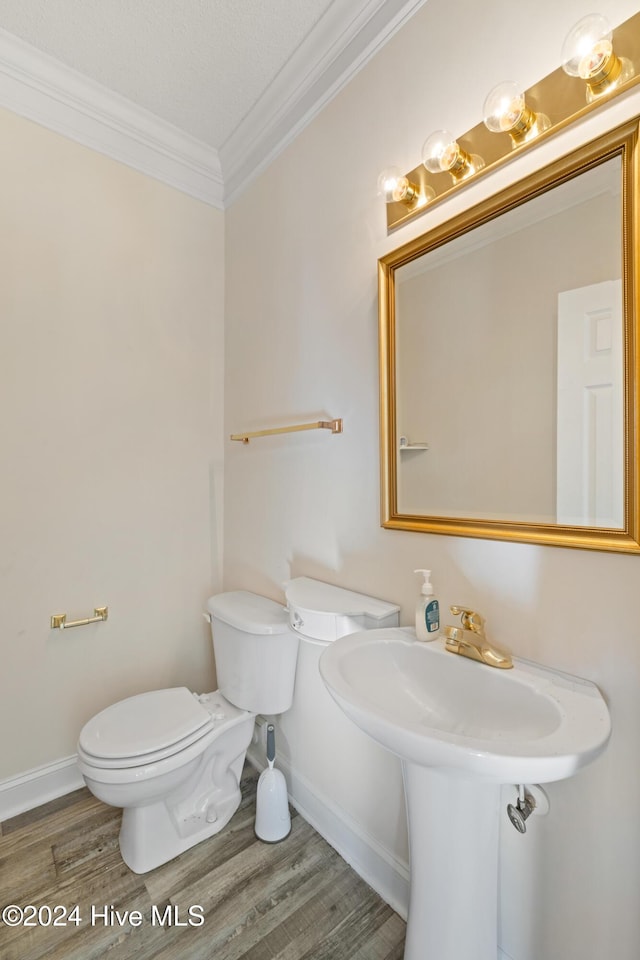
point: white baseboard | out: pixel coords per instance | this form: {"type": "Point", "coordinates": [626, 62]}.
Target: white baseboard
{"type": "Point", "coordinates": [38, 786]}
{"type": "Point", "coordinates": [387, 875]}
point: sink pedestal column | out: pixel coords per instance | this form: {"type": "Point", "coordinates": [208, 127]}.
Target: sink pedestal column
{"type": "Point", "coordinates": [453, 843]}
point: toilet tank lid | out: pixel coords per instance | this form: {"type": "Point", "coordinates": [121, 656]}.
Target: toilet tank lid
{"type": "Point", "coordinates": [249, 612]}
{"type": "Point", "coordinates": [319, 597]}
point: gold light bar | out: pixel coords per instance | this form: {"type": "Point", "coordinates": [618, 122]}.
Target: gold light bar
{"type": "Point", "coordinates": [334, 425]}
{"type": "Point", "coordinates": [561, 98]}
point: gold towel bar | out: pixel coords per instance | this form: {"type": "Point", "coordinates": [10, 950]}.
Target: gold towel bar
{"type": "Point", "coordinates": [59, 620]}
{"type": "Point", "coordinates": [334, 425]}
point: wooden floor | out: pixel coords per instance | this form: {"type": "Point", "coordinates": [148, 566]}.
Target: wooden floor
{"type": "Point", "coordinates": [286, 901]}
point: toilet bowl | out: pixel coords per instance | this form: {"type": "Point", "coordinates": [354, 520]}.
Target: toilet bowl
{"type": "Point", "coordinates": [172, 759]}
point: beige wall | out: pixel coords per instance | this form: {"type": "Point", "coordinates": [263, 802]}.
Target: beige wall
{"type": "Point", "coordinates": [301, 340]}
{"type": "Point", "coordinates": [111, 304]}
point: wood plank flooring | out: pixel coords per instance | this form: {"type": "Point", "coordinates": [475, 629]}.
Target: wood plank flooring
{"type": "Point", "coordinates": [229, 898]}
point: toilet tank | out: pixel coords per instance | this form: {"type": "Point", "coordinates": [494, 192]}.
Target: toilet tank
{"type": "Point", "coordinates": [322, 612]}
{"type": "Point", "coordinates": [255, 649]}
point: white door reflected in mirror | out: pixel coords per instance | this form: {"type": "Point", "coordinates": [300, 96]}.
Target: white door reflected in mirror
{"type": "Point", "coordinates": [590, 404]}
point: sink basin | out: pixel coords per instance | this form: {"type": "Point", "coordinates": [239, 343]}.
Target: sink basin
{"type": "Point", "coordinates": [441, 710]}
{"type": "Point", "coordinates": [462, 730]}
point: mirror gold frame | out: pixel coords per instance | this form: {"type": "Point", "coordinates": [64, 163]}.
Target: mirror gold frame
{"type": "Point", "coordinates": [622, 143]}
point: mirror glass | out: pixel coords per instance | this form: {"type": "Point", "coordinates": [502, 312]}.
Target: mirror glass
{"type": "Point", "coordinates": [505, 343]}
{"type": "Point", "coordinates": [501, 333]}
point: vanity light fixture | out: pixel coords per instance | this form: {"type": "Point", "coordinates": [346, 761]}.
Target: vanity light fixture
{"type": "Point", "coordinates": [441, 153]}
{"type": "Point", "coordinates": [506, 111]}
{"type": "Point", "coordinates": [587, 52]}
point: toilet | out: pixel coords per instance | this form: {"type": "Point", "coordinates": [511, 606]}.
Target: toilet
{"type": "Point", "coordinates": [172, 759]}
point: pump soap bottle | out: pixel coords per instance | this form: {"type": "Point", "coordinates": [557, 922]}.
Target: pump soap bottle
{"type": "Point", "coordinates": [427, 610]}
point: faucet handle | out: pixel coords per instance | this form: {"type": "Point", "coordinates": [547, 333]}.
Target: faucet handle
{"type": "Point", "coordinates": [471, 620]}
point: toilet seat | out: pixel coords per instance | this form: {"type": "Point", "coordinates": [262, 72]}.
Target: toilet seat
{"type": "Point", "coordinates": [141, 759]}
{"type": "Point", "coordinates": [150, 727]}
{"type": "Point", "coordinates": [170, 727]}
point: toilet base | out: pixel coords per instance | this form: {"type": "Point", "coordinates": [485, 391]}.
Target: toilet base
{"type": "Point", "coordinates": [200, 807]}
{"type": "Point", "coordinates": [148, 837]}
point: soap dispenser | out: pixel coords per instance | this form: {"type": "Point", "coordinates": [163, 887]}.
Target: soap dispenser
{"type": "Point", "coordinates": [427, 610]}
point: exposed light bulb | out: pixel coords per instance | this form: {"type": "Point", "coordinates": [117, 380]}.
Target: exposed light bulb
{"type": "Point", "coordinates": [587, 46]}
{"type": "Point", "coordinates": [505, 111]}
{"type": "Point", "coordinates": [587, 52]}
{"type": "Point", "coordinates": [442, 153]}
{"type": "Point", "coordinates": [394, 187]}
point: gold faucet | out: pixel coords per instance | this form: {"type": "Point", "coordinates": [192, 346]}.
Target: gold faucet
{"type": "Point", "coordinates": [469, 640]}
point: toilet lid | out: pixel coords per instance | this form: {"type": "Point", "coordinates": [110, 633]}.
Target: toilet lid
{"type": "Point", "coordinates": [145, 724]}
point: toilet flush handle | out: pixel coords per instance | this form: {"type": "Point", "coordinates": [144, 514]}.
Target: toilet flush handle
{"type": "Point", "coordinates": [296, 620]}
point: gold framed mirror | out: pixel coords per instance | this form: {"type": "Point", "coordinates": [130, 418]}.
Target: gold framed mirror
{"type": "Point", "coordinates": [509, 396]}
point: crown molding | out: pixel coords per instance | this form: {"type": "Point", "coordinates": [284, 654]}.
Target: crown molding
{"type": "Point", "coordinates": [338, 47]}
{"type": "Point", "coordinates": [42, 89]}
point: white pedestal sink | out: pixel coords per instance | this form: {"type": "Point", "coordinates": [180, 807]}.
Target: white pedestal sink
{"type": "Point", "coordinates": [462, 729]}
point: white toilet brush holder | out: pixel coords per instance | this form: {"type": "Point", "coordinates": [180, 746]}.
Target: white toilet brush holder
{"type": "Point", "coordinates": [273, 820]}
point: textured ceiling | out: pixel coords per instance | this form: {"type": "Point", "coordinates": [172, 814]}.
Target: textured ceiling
{"type": "Point", "coordinates": [198, 64]}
